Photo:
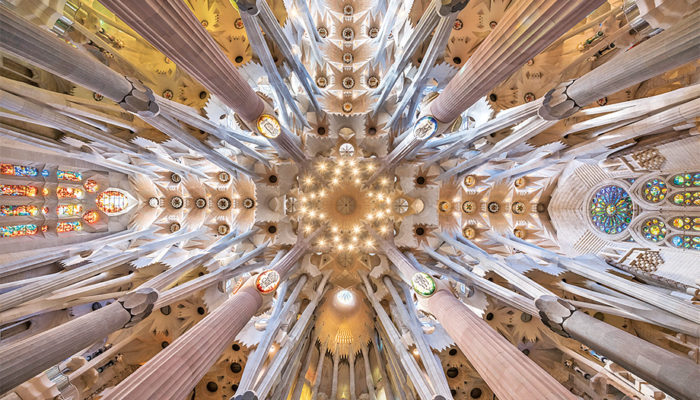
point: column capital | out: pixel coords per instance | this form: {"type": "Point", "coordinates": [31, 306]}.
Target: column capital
{"type": "Point", "coordinates": [140, 99]}
{"type": "Point", "coordinates": [448, 7]}
{"type": "Point", "coordinates": [138, 304]}
{"type": "Point", "coordinates": [558, 104]}
{"type": "Point", "coordinates": [554, 312]}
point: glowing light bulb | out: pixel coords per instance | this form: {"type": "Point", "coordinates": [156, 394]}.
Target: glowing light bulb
{"type": "Point", "coordinates": [334, 229]}
{"type": "Point", "coordinates": [350, 246]}
{"type": "Point", "coordinates": [322, 166]}
{"type": "Point", "coordinates": [354, 238]}
{"type": "Point", "coordinates": [336, 239]}
{"type": "Point", "coordinates": [356, 228]}
{"type": "Point", "coordinates": [334, 181]}
{"type": "Point", "coordinates": [383, 229]}
{"type": "Point", "coordinates": [340, 247]}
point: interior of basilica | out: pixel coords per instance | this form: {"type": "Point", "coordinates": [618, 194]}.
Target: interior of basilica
{"type": "Point", "coordinates": [350, 199]}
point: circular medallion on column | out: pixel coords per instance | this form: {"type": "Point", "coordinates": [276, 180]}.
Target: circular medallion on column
{"type": "Point", "coordinates": [469, 180]}
{"type": "Point", "coordinates": [267, 281]}
{"type": "Point", "coordinates": [423, 284]}
{"type": "Point", "coordinates": [425, 127]}
{"type": "Point", "coordinates": [268, 126]}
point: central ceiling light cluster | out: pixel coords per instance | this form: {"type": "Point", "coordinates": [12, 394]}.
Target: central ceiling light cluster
{"type": "Point", "coordinates": [337, 197]}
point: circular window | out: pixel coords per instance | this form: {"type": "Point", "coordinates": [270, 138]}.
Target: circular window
{"type": "Point", "coordinates": [518, 207]}
{"type": "Point", "coordinates": [346, 150]}
{"type": "Point", "coordinates": [529, 96]}
{"type": "Point", "coordinates": [494, 207]}
{"type": "Point", "coordinates": [347, 58]}
{"type": "Point", "coordinates": [248, 203]}
{"type": "Point", "coordinates": [469, 180]}
{"type": "Point", "coordinates": [373, 32]}
{"type": "Point", "coordinates": [322, 81]}
{"type": "Point", "coordinates": [347, 107]}
{"type": "Point", "coordinates": [223, 229]}
{"type": "Point", "coordinates": [176, 202]}
{"type": "Point", "coordinates": [468, 207]}
{"type": "Point", "coordinates": [347, 10]}
{"type": "Point", "coordinates": [458, 24]}
{"type": "Point", "coordinates": [654, 190]}
{"type": "Point", "coordinates": [519, 233]}
{"type": "Point", "coordinates": [224, 177]}
{"type": "Point", "coordinates": [444, 206]}
{"type": "Point", "coordinates": [469, 232]}
{"type": "Point", "coordinates": [200, 203]}
{"type": "Point", "coordinates": [401, 205]}
{"type": "Point", "coordinates": [611, 209]}
{"type": "Point", "coordinates": [153, 202]}
{"type": "Point", "coordinates": [174, 227]}
{"type": "Point", "coordinates": [175, 178]}
{"type": "Point", "coordinates": [348, 34]}
{"type": "Point", "coordinates": [323, 32]}
{"type": "Point", "coordinates": [654, 230]}
{"type": "Point", "coordinates": [452, 372]}
{"type": "Point", "coordinates": [348, 82]}
{"type": "Point", "coordinates": [223, 203]}
{"type": "Point", "coordinates": [373, 82]}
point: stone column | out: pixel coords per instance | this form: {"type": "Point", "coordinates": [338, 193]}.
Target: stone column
{"type": "Point", "coordinates": [526, 29]}
{"type": "Point", "coordinates": [382, 371]}
{"type": "Point", "coordinates": [508, 372]}
{"type": "Point", "coordinates": [27, 41]}
{"type": "Point", "coordinates": [368, 374]}
{"type": "Point", "coordinates": [26, 358]}
{"type": "Point", "coordinates": [678, 45]}
{"type": "Point", "coordinates": [173, 372]}
{"type": "Point", "coordinates": [301, 379]}
{"type": "Point", "coordinates": [351, 365]}
{"type": "Point", "coordinates": [334, 385]}
{"type": "Point", "coordinates": [674, 374]}
{"type": "Point", "coordinates": [319, 370]}
{"type": "Point", "coordinates": [171, 28]}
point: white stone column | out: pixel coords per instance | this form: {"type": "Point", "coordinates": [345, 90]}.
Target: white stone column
{"type": "Point", "coordinates": [368, 374]}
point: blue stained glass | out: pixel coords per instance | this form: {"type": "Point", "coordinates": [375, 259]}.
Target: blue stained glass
{"type": "Point", "coordinates": [611, 209]}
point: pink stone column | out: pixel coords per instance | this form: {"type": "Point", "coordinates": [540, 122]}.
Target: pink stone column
{"type": "Point", "coordinates": [508, 372]}
{"type": "Point", "coordinates": [526, 29]}
{"type": "Point", "coordinates": [22, 360]}
{"type": "Point", "coordinates": [170, 27]}
{"type": "Point", "coordinates": [173, 372]}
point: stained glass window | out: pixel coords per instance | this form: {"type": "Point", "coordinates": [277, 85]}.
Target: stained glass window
{"type": "Point", "coordinates": [611, 209]}
{"type": "Point", "coordinates": [111, 201]}
{"type": "Point", "coordinates": [18, 190]}
{"type": "Point", "coordinates": [654, 229]}
{"type": "Point", "coordinates": [18, 230]}
{"type": "Point", "coordinates": [45, 173]}
{"type": "Point", "coordinates": [69, 176]}
{"type": "Point", "coordinates": [686, 199]}
{"type": "Point", "coordinates": [655, 190]}
{"type": "Point", "coordinates": [686, 180]}
{"type": "Point", "coordinates": [69, 210]}
{"type": "Point", "coordinates": [91, 186]}
{"type": "Point", "coordinates": [18, 170]}
{"type": "Point", "coordinates": [686, 242]}
{"type": "Point", "coordinates": [64, 192]}
{"type": "Point", "coordinates": [18, 211]}
{"type": "Point", "coordinates": [71, 226]}
{"type": "Point", "coordinates": [686, 223]}
{"type": "Point", "coordinates": [91, 217]}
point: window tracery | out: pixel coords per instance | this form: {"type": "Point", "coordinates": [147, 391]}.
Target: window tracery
{"type": "Point", "coordinates": [611, 209]}
{"type": "Point", "coordinates": [18, 170]}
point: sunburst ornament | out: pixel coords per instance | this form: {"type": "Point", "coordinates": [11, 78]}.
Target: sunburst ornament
{"type": "Point", "coordinates": [268, 126]}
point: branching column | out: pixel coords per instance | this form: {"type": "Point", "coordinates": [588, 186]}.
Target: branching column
{"type": "Point", "coordinates": [676, 375]}
{"type": "Point", "coordinates": [507, 371]}
{"type": "Point", "coordinates": [26, 358]}
{"type": "Point", "coordinates": [672, 48]}
{"type": "Point", "coordinates": [171, 28]}
{"type": "Point", "coordinates": [526, 29]}
{"type": "Point", "coordinates": [173, 372]}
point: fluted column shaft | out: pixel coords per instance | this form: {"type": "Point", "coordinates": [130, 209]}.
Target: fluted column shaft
{"type": "Point", "coordinates": [173, 372]}
{"type": "Point", "coordinates": [507, 371]}
{"type": "Point", "coordinates": [526, 29]}
{"type": "Point", "coordinates": [319, 370]}
{"type": "Point", "coordinates": [368, 374]}
{"type": "Point", "coordinates": [26, 358]}
{"type": "Point", "coordinates": [170, 27]}
{"type": "Point", "coordinates": [672, 48]}
{"type": "Point", "coordinates": [40, 47]}
{"type": "Point", "coordinates": [676, 375]}
{"type": "Point", "coordinates": [353, 389]}
{"type": "Point", "coordinates": [334, 384]}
